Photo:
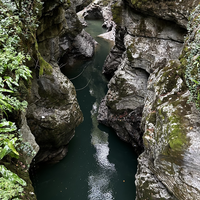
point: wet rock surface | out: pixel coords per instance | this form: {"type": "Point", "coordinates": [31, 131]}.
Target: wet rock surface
{"type": "Point", "coordinates": [170, 138]}
{"type": "Point", "coordinates": [147, 100]}
{"type": "Point", "coordinates": [53, 111]}
{"type": "Point", "coordinates": [176, 11]}
{"type": "Point", "coordinates": [53, 114]}
{"type": "Point", "coordinates": [122, 107]}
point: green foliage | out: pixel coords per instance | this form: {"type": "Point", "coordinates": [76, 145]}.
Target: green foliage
{"type": "Point", "coordinates": [117, 13]}
{"type": "Point", "coordinates": [7, 145]}
{"type": "Point", "coordinates": [43, 64]}
{"type": "Point", "coordinates": [18, 21]}
{"type": "Point", "coordinates": [10, 184]}
{"type": "Point", "coordinates": [12, 61]}
{"type": "Point", "coordinates": [192, 56]}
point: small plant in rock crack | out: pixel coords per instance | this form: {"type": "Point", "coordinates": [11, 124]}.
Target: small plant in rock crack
{"type": "Point", "coordinates": [192, 41]}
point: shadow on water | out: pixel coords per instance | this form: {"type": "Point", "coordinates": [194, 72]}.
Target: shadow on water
{"type": "Point", "coordinates": [98, 165]}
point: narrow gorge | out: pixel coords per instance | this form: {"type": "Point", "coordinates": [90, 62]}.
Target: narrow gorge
{"type": "Point", "coordinates": [120, 92]}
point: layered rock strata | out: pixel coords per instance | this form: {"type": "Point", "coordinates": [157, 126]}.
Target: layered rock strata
{"type": "Point", "coordinates": [148, 43]}
{"type": "Point", "coordinates": [176, 11]}
{"type": "Point", "coordinates": [53, 111]}
{"type": "Point", "coordinates": [147, 101]}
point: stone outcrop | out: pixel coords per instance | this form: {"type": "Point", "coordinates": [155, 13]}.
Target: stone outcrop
{"type": "Point", "coordinates": [171, 131]}
{"type": "Point", "coordinates": [53, 111]}
{"type": "Point", "coordinates": [170, 138]}
{"type": "Point", "coordinates": [176, 11]}
{"type": "Point", "coordinates": [146, 43]}
{"type": "Point", "coordinates": [28, 138]}
{"type": "Point", "coordinates": [147, 100]}
{"type": "Point", "coordinates": [53, 115]}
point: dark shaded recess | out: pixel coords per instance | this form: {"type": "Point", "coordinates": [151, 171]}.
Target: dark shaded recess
{"type": "Point", "coordinates": [95, 13]}
{"type": "Point", "coordinates": [113, 60]}
{"type": "Point", "coordinates": [83, 5]}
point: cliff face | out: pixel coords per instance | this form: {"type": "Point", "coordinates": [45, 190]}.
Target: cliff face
{"type": "Point", "coordinates": [53, 111]}
{"type": "Point", "coordinates": [147, 101]}
{"type": "Point", "coordinates": [171, 128]}
{"type": "Point", "coordinates": [177, 11]}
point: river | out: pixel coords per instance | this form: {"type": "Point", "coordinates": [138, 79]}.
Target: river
{"type": "Point", "coordinates": [98, 166]}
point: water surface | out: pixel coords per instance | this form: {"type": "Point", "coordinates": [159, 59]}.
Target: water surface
{"type": "Point", "coordinates": [98, 166]}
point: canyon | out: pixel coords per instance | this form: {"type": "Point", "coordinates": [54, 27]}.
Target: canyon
{"type": "Point", "coordinates": [148, 103]}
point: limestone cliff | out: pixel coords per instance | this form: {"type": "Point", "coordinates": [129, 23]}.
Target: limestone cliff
{"type": "Point", "coordinates": [145, 42]}
{"type": "Point", "coordinates": [171, 132]}
{"type": "Point", "coordinates": [53, 111]}
{"type": "Point", "coordinates": [147, 101]}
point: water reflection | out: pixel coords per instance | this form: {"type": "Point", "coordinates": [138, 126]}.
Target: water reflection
{"type": "Point", "coordinates": [99, 187]}
{"type": "Point", "coordinates": [99, 181]}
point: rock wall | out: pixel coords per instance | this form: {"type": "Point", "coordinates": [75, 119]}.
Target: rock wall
{"type": "Point", "coordinates": [147, 101]}
{"type": "Point", "coordinates": [53, 111]}
{"type": "Point", "coordinates": [176, 10]}
{"type": "Point", "coordinates": [146, 43]}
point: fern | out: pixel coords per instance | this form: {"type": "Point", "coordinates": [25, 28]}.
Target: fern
{"type": "Point", "coordinates": [10, 184]}
{"type": "Point", "coordinates": [12, 70]}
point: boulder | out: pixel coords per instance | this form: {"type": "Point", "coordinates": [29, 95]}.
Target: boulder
{"type": "Point", "coordinates": [29, 139]}
{"type": "Point", "coordinates": [53, 114]}
{"type": "Point", "coordinates": [122, 106]}
{"type": "Point", "coordinates": [84, 45]}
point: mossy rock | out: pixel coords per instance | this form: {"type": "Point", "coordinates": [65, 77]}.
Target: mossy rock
{"type": "Point", "coordinates": [117, 13]}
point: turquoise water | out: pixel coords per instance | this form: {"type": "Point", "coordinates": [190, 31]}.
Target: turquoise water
{"type": "Point", "coordinates": [98, 166]}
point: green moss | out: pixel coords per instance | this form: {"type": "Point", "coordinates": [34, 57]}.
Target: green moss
{"type": "Point", "coordinates": [117, 13]}
{"type": "Point", "coordinates": [183, 61]}
{"type": "Point", "coordinates": [169, 78]}
{"type": "Point", "coordinates": [129, 55]}
{"type": "Point", "coordinates": [44, 66]}
{"type": "Point", "coordinates": [192, 57]}
{"type": "Point", "coordinates": [105, 2]}
{"type": "Point", "coordinates": [130, 50]}
{"type": "Point", "coordinates": [177, 138]}
{"type": "Point", "coordinates": [138, 3]}
{"type": "Point", "coordinates": [152, 117]}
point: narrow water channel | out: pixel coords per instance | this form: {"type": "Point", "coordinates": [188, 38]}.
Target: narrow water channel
{"type": "Point", "coordinates": [98, 166]}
